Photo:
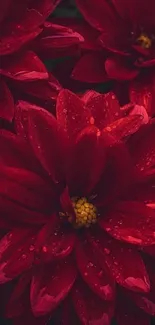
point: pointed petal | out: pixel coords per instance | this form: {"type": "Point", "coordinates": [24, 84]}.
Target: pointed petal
{"type": "Point", "coordinates": [17, 253]}
{"type": "Point", "coordinates": [84, 174]}
{"type": "Point", "coordinates": [105, 108]}
{"type": "Point", "coordinates": [6, 102]}
{"type": "Point", "coordinates": [118, 68]}
{"type": "Point", "coordinates": [126, 126]}
{"type": "Point", "coordinates": [72, 115]}
{"type": "Point", "coordinates": [25, 188]}
{"type": "Point", "coordinates": [93, 272]}
{"type": "Point", "coordinates": [51, 285]}
{"type": "Point", "coordinates": [50, 154]}
{"type": "Point", "coordinates": [89, 307]}
{"type": "Point", "coordinates": [147, 302]}
{"type": "Point", "coordinates": [131, 221]}
{"type": "Point", "coordinates": [124, 262]}
{"type": "Point", "coordinates": [90, 68]}
{"type": "Point", "coordinates": [54, 242]}
{"type": "Point", "coordinates": [26, 67]}
{"type": "Point", "coordinates": [56, 38]}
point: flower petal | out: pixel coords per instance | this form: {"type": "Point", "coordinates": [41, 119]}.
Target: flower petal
{"type": "Point", "coordinates": [25, 188]}
{"type": "Point", "coordinates": [147, 302]}
{"type": "Point", "coordinates": [124, 263]}
{"type": "Point", "coordinates": [131, 221]}
{"type": "Point", "coordinates": [72, 115]}
{"type": "Point", "coordinates": [54, 242]}
{"type": "Point", "coordinates": [98, 13]}
{"type": "Point", "coordinates": [41, 128]}
{"type": "Point", "coordinates": [51, 285]}
{"type": "Point", "coordinates": [26, 67]}
{"type": "Point", "coordinates": [119, 69]}
{"type": "Point", "coordinates": [126, 126]}
{"type": "Point", "coordinates": [55, 37]}
{"type": "Point", "coordinates": [144, 157]}
{"type": "Point", "coordinates": [89, 307]}
{"type": "Point", "coordinates": [105, 108]}
{"type": "Point", "coordinates": [129, 11]}
{"type": "Point", "coordinates": [86, 162]}
{"type": "Point", "coordinates": [6, 102]}
{"type": "Point", "coordinates": [143, 93]}
{"type": "Point", "coordinates": [93, 271]}
{"type": "Point", "coordinates": [17, 253]}
{"type": "Point", "coordinates": [90, 68]}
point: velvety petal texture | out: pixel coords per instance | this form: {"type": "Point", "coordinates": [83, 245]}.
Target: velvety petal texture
{"type": "Point", "coordinates": [77, 203]}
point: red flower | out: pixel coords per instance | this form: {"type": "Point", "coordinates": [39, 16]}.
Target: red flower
{"type": "Point", "coordinates": [127, 31]}
{"type": "Point", "coordinates": [77, 194]}
{"type": "Point", "coordinates": [25, 32]}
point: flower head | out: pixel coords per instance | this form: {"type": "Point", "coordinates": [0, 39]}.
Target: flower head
{"type": "Point", "coordinates": [77, 194]}
{"type": "Point", "coordinates": [127, 31]}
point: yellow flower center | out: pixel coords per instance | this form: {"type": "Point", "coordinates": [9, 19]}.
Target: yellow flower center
{"type": "Point", "coordinates": [144, 41]}
{"type": "Point", "coordinates": [86, 212]}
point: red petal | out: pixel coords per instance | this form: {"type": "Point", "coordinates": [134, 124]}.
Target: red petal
{"type": "Point", "coordinates": [118, 173]}
{"type": "Point", "coordinates": [127, 313]}
{"type": "Point", "coordinates": [129, 11]}
{"type": "Point", "coordinates": [144, 157]}
{"type": "Point", "coordinates": [89, 307]}
{"type": "Point", "coordinates": [131, 221]}
{"type": "Point", "coordinates": [42, 128]}
{"type": "Point", "coordinates": [26, 67]}
{"type": "Point", "coordinates": [116, 39]}
{"type": "Point", "coordinates": [54, 242]}
{"type": "Point", "coordinates": [90, 68]}
{"type": "Point", "coordinates": [125, 126]}
{"type": "Point", "coordinates": [51, 285]}
{"type": "Point", "coordinates": [72, 115]}
{"type": "Point", "coordinates": [119, 69]}
{"type": "Point", "coordinates": [105, 108]}
{"type": "Point", "coordinates": [46, 90]}
{"type": "Point", "coordinates": [89, 34]}
{"type": "Point", "coordinates": [17, 153]}
{"type": "Point", "coordinates": [143, 94]}
{"type": "Point", "coordinates": [94, 271]}
{"type": "Point", "coordinates": [98, 13]}
{"type": "Point", "coordinates": [25, 188]}
{"type": "Point", "coordinates": [17, 253]}
{"type": "Point", "coordinates": [6, 102]}
{"type": "Point", "coordinates": [57, 37]}
{"type": "Point", "coordinates": [84, 174]}
{"type": "Point", "coordinates": [147, 302]}
{"type": "Point", "coordinates": [124, 262]}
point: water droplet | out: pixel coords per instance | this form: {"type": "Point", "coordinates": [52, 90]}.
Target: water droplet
{"type": "Point", "coordinates": [107, 251]}
{"type": "Point", "coordinates": [44, 249]}
{"type": "Point", "coordinates": [31, 248]}
{"type": "Point", "coordinates": [85, 274]}
{"type": "Point", "coordinates": [23, 256]}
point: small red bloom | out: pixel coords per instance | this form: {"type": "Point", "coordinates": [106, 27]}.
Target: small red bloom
{"type": "Point", "coordinates": [127, 31]}
{"type": "Point", "coordinates": [77, 194]}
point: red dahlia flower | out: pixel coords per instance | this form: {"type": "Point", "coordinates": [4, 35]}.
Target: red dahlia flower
{"type": "Point", "coordinates": [127, 31]}
{"type": "Point", "coordinates": [77, 194]}
{"type": "Point", "coordinates": [24, 34]}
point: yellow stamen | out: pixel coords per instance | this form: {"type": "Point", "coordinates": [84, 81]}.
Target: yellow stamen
{"type": "Point", "coordinates": [144, 41]}
{"type": "Point", "coordinates": [86, 213]}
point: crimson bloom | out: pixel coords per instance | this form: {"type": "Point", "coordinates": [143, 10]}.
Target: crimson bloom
{"type": "Point", "coordinates": [25, 34]}
{"type": "Point", "coordinates": [127, 31]}
{"type": "Point", "coordinates": [77, 195]}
